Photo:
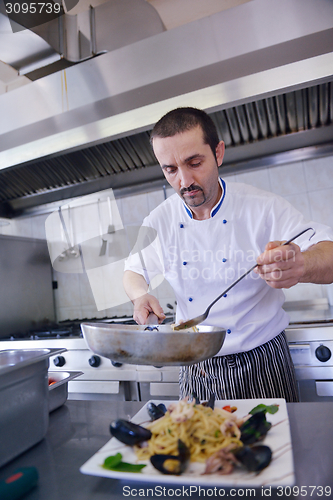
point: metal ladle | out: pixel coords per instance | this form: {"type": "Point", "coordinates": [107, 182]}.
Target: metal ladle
{"type": "Point", "coordinates": [199, 319]}
{"type": "Point", "coordinates": [72, 251]}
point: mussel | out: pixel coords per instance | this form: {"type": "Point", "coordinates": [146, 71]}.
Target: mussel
{"type": "Point", "coordinates": [211, 402]}
{"type": "Point", "coordinates": [195, 397]}
{"type": "Point", "coordinates": [254, 458]}
{"type": "Point", "coordinates": [172, 464]}
{"type": "Point", "coordinates": [255, 428]}
{"type": "Point", "coordinates": [128, 432]}
{"type": "Point", "coordinates": [156, 411]}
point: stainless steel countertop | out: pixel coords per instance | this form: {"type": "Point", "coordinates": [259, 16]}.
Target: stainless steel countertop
{"type": "Point", "coordinates": [80, 428]}
{"type": "Point", "coordinates": [309, 312]}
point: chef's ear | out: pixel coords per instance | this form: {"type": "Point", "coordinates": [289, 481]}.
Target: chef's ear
{"type": "Point", "coordinates": [220, 153]}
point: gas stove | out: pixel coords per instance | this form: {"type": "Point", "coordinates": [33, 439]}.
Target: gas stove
{"type": "Point", "coordinates": [102, 378]}
{"type": "Point", "coordinates": [63, 330]}
{"type": "Point", "coordinates": [310, 339]}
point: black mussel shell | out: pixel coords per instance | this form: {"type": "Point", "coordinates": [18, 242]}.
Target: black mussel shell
{"type": "Point", "coordinates": [197, 400]}
{"type": "Point", "coordinates": [128, 432]}
{"type": "Point", "coordinates": [155, 411]}
{"type": "Point", "coordinates": [255, 428]}
{"type": "Point", "coordinates": [254, 458]}
{"type": "Point", "coordinates": [211, 402]}
{"type": "Point", "coordinates": [172, 464]}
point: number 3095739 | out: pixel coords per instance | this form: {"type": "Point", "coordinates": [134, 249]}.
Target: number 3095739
{"type": "Point", "coordinates": [32, 8]}
{"type": "Point", "coordinates": [300, 491]}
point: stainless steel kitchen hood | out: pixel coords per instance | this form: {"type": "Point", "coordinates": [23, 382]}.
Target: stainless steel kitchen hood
{"type": "Point", "coordinates": [264, 70]}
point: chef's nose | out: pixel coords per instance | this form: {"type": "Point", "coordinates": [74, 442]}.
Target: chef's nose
{"type": "Point", "coordinates": [185, 178]}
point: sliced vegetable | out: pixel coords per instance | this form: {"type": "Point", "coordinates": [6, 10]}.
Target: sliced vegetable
{"type": "Point", "coordinates": [264, 408]}
{"type": "Point", "coordinates": [232, 409]}
{"type": "Point", "coordinates": [115, 463]}
{"type": "Point", "coordinates": [112, 461]}
{"type": "Point", "coordinates": [126, 467]}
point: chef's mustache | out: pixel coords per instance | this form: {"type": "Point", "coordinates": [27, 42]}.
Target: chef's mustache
{"type": "Point", "coordinates": [193, 187]}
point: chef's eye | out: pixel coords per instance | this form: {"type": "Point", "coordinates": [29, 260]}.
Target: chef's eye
{"type": "Point", "coordinates": [171, 170]}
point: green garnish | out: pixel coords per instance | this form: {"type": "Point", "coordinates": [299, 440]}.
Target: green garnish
{"type": "Point", "coordinates": [264, 408]}
{"type": "Point", "coordinates": [217, 433]}
{"type": "Point", "coordinates": [114, 463]}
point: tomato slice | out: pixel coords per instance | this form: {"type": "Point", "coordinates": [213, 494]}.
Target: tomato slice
{"type": "Point", "coordinates": [229, 408]}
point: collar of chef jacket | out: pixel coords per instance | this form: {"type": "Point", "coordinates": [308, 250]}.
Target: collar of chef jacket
{"type": "Point", "coordinates": [216, 207]}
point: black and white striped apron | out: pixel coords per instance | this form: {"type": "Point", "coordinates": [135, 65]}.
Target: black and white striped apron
{"type": "Point", "coordinates": [264, 372]}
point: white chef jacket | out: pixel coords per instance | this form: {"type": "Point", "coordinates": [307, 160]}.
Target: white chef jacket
{"type": "Point", "coordinates": [201, 258]}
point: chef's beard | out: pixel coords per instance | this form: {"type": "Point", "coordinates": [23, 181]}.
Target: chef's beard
{"type": "Point", "coordinates": [197, 200]}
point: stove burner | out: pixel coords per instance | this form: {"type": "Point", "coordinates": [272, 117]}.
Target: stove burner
{"type": "Point", "coordinates": [47, 332]}
{"type": "Point", "coordinates": [55, 333]}
{"type": "Point", "coordinates": [66, 329]}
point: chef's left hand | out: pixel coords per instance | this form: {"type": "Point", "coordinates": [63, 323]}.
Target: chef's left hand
{"type": "Point", "coordinates": [281, 266]}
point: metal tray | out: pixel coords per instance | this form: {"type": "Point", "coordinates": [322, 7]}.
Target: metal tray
{"type": "Point", "coordinates": [157, 345]}
{"type": "Point", "coordinates": [58, 391]}
{"type": "Point", "coordinates": [24, 399]}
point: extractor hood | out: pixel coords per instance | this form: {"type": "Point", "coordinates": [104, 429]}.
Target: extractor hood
{"type": "Point", "coordinates": [263, 70]}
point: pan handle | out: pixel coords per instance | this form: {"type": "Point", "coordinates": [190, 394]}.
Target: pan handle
{"type": "Point", "coordinates": [152, 319]}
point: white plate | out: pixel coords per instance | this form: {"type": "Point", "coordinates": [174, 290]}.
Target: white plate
{"type": "Point", "coordinates": [280, 471]}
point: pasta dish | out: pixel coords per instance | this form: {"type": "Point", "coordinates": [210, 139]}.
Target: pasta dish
{"type": "Point", "coordinates": [193, 432]}
{"type": "Point", "coordinates": [203, 430]}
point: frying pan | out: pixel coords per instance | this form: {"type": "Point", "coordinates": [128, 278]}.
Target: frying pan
{"type": "Point", "coordinates": [157, 345]}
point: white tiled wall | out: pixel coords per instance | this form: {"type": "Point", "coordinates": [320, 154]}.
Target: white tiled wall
{"type": "Point", "coordinates": [31, 227]}
{"type": "Point", "coordinates": [308, 185]}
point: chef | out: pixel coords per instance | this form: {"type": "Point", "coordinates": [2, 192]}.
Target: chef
{"type": "Point", "coordinates": [208, 234]}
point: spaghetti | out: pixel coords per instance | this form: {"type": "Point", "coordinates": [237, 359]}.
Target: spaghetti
{"type": "Point", "coordinates": [202, 429]}
{"type": "Point", "coordinates": [181, 322]}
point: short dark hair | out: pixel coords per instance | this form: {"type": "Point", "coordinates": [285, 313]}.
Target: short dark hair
{"type": "Point", "coordinates": [182, 119]}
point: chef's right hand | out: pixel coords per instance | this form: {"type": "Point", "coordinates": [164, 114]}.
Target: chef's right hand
{"type": "Point", "coordinates": [145, 305]}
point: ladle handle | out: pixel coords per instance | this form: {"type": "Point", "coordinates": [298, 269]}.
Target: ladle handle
{"type": "Point", "coordinates": [64, 228]}
{"type": "Point", "coordinates": [300, 234]}
{"type": "Point", "coordinates": [255, 265]}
